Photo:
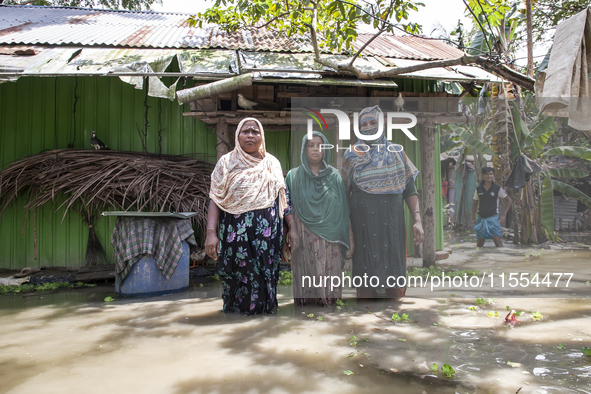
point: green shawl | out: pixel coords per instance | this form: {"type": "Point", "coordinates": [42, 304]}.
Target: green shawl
{"type": "Point", "coordinates": [320, 201]}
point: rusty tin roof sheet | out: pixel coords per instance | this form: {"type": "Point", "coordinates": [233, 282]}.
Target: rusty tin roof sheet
{"type": "Point", "coordinates": [60, 26]}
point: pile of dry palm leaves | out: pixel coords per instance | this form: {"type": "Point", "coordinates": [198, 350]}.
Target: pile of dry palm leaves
{"type": "Point", "coordinates": [91, 181]}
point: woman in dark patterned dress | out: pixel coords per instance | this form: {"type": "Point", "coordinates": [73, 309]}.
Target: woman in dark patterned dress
{"type": "Point", "coordinates": [320, 232]}
{"type": "Point", "coordinates": [379, 178]}
{"type": "Point", "coordinates": [248, 208]}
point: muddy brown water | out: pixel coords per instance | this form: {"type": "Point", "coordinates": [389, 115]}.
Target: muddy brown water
{"type": "Point", "coordinates": [73, 341]}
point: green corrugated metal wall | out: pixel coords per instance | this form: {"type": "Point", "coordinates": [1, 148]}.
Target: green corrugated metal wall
{"type": "Point", "coordinates": [37, 112]}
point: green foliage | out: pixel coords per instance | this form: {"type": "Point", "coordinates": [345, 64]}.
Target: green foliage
{"type": "Point", "coordinates": [535, 141]}
{"type": "Point", "coordinates": [586, 350]}
{"type": "Point", "coordinates": [547, 14]}
{"type": "Point", "coordinates": [433, 367]}
{"type": "Point", "coordinates": [472, 141]}
{"type": "Point", "coordinates": [348, 372]}
{"type": "Point", "coordinates": [338, 21]}
{"type": "Point", "coordinates": [395, 317]}
{"type": "Point", "coordinates": [284, 278]}
{"type": "Point", "coordinates": [447, 370]}
{"type": "Point", "coordinates": [536, 316]}
{"type": "Point", "coordinates": [214, 277]}
{"type": "Point", "coordinates": [28, 288]}
{"type": "Point", "coordinates": [353, 340]}
{"type": "Point", "coordinates": [574, 151]}
{"type": "Point", "coordinates": [109, 299]}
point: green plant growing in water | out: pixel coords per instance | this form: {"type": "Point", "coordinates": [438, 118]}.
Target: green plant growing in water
{"type": "Point", "coordinates": [586, 350]}
{"type": "Point", "coordinates": [28, 288]}
{"type": "Point", "coordinates": [447, 370]}
{"type": "Point", "coordinates": [285, 278]}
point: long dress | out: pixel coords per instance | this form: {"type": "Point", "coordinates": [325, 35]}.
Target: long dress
{"type": "Point", "coordinates": [250, 251]}
{"type": "Point", "coordinates": [380, 234]}
{"type": "Point", "coordinates": [315, 258]}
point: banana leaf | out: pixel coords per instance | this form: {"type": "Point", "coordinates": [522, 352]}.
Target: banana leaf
{"type": "Point", "coordinates": [574, 151]}
{"type": "Point", "coordinates": [474, 143]}
{"type": "Point", "coordinates": [548, 208]}
{"type": "Point", "coordinates": [567, 173]}
{"type": "Point", "coordinates": [543, 129]}
{"type": "Point", "coordinates": [478, 46]}
{"type": "Point", "coordinates": [448, 141]}
{"type": "Point", "coordinates": [571, 192]}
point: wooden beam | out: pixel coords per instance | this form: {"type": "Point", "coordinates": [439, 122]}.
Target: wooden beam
{"type": "Point", "coordinates": [428, 193]}
{"type": "Point", "coordinates": [223, 140]}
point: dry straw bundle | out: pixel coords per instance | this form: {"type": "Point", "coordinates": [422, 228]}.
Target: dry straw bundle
{"type": "Point", "coordinates": [92, 180]}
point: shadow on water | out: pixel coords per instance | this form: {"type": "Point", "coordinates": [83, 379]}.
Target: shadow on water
{"type": "Point", "coordinates": [182, 343]}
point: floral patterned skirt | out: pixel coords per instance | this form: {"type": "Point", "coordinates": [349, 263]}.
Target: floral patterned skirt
{"type": "Point", "coordinates": [313, 260]}
{"type": "Point", "coordinates": [250, 250]}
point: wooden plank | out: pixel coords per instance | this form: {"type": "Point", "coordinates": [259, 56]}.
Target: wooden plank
{"type": "Point", "coordinates": [292, 94]}
{"type": "Point", "coordinates": [93, 276]}
{"type": "Point", "coordinates": [223, 141]}
{"type": "Point", "coordinates": [95, 268]}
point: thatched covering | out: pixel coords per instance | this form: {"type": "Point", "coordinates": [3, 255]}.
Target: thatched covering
{"type": "Point", "coordinates": [98, 180]}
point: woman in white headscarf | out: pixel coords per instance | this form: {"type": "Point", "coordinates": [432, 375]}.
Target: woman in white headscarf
{"type": "Point", "coordinates": [247, 212]}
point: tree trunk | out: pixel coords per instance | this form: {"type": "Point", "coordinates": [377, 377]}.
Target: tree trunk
{"type": "Point", "coordinates": [530, 44]}
{"type": "Point", "coordinates": [428, 178]}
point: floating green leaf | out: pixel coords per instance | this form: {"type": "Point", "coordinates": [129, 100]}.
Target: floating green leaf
{"type": "Point", "coordinates": [586, 350]}
{"type": "Point", "coordinates": [536, 316]}
{"type": "Point", "coordinates": [447, 370]}
{"type": "Point", "coordinates": [109, 299]}
{"type": "Point", "coordinates": [433, 367]}
{"type": "Point", "coordinates": [348, 372]}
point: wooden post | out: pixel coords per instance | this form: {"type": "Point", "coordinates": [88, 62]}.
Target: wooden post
{"type": "Point", "coordinates": [428, 178]}
{"type": "Point", "coordinates": [221, 129]}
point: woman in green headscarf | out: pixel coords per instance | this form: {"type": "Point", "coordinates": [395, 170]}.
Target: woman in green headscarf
{"type": "Point", "coordinates": [320, 233]}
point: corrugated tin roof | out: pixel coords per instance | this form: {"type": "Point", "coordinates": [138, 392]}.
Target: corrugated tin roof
{"type": "Point", "coordinates": [31, 25]}
{"type": "Point", "coordinates": [59, 26]}
{"type": "Point", "coordinates": [407, 47]}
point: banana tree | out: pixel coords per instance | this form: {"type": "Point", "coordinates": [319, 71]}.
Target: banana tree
{"type": "Point", "coordinates": [530, 140]}
{"type": "Point", "coordinates": [549, 184]}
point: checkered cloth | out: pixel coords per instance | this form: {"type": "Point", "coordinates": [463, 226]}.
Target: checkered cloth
{"type": "Point", "coordinates": [161, 238]}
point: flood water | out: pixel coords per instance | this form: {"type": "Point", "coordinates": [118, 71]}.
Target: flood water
{"type": "Point", "coordinates": [72, 341]}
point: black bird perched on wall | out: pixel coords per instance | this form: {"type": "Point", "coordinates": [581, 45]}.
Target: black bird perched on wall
{"type": "Point", "coordinates": [96, 143]}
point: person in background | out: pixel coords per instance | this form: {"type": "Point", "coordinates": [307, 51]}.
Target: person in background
{"type": "Point", "coordinates": [379, 178]}
{"type": "Point", "coordinates": [320, 234]}
{"type": "Point", "coordinates": [248, 210]}
{"type": "Point", "coordinates": [486, 202]}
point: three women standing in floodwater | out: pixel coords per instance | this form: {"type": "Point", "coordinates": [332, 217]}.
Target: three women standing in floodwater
{"type": "Point", "coordinates": [250, 211]}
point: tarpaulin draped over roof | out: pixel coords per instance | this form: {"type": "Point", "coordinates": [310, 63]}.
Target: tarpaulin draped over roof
{"type": "Point", "coordinates": [564, 89]}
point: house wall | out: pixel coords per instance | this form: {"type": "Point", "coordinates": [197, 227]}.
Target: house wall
{"type": "Point", "coordinates": [37, 114]}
